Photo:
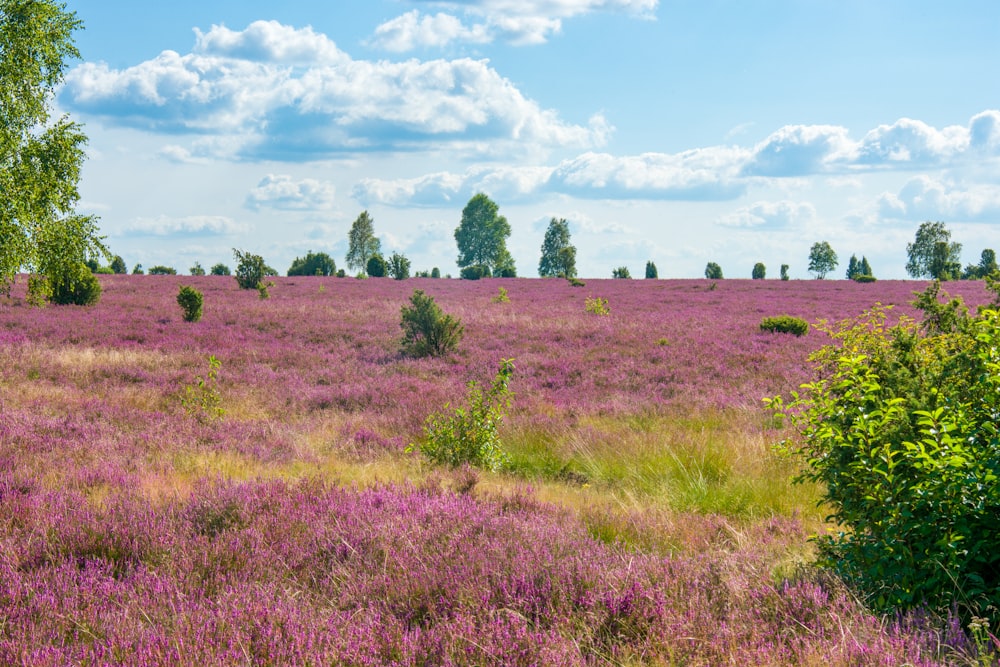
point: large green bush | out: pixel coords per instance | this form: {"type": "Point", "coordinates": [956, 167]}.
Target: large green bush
{"type": "Point", "coordinates": [191, 301]}
{"type": "Point", "coordinates": [77, 287]}
{"type": "Point", "coordinates": [785, 324]}
{"type": "Point", "coordinates": [250, 269]}
{"type": "Point", "coordinates": [900, 426]}
{"type": "Point", "coordinates": [427, 331]}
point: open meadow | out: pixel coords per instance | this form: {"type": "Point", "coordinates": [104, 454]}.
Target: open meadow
{"type": "Point", "coordinates": [158, 510]}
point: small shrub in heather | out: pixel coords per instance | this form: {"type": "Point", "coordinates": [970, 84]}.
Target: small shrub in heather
{"type": "Point", "coordinates": [864, 279]}
{"type": "Point", "coordinates": [427, 331]}
{"type": "Point", "coordinates": [899, 426]}
{"type": "Point", "coordinates": [471, 434]}
{"type": "Point", "coordinates": [501, 296]}
{"type": "Point", "coordinates": [576, 282]}
{"type": "Point", "coordinates": [263, 289]}
{"type": "Point", "coordinates": [190, 300]}
{"type": "Point", "coordinates": [201, 398]}
{"type": "Point", "coordinates": [597, 306]}
{"type": "Point", "coordinates": [250, 269]}
{"type": "Point", "coordinates": [785, 324]}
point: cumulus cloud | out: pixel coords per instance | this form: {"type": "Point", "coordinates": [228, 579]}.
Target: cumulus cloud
{"type": "Point", "coordinates": [206, 225]}
{"type": "Point", "coordinates": [925, 198]}
{"type": "Point", "coordinates": [280, 191]}
{"type": "Point", "coordinates": [912, 142]}
{"type": "Point", "coordinates": [515, 21]}
{"type": "Point", "coordinates": [796, 150]}
{"type": "Point", "coordinates": [771, 215]}
{"type": "Point", "coordinates": [283, 93]}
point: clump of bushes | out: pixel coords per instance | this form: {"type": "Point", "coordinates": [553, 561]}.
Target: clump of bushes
{"type": "Point", "coordinates": [190, 300]}
{"type": "Point", "coordinates": [376, 266]}
{"type": "Point", "coordinates": [79, 287]}
{"type": "Point", "coordinates": [597, 306]}
{"type": "Point", "coordinates": [501, 296]}
{"type": "Point", "coordinates": [251, 269]}
{"type": "Point", "coordinates": [785, 324]}
{"type": "Point", "coordinates": [576, 282]}
{"type": "Point", "coordinates": [863, 279]}
{"type": "Point", "coordinates": [899, 427]}
{"type": "Point", "coordinates": [471, 435]}
{"type": "Point", "coordinates": [427, 331]}
{"type": "Point", "coordinates": [475, 272]}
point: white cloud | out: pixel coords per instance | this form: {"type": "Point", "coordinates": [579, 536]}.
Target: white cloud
{"type": "Point", "coordinates": [795, 150]}
{"type": "Point", "coordinates": [280, 191]}
{"type": "Point", "coordinates": [239, 88]}
{"type": "Point", "coordinates": [269, 42]}
{"type": "Point", "coordinates": [771, 215]}
{"type": "Point", "coordinates": [209, 225]}
{"type": "Point", "coordinates": [413, 30]}
{"type": "Point", "coordinates": [516, 21]}
{"type": "Point", "coordinates": [925, 198]}
{"type": "Point", "coordinates": [912, 142]}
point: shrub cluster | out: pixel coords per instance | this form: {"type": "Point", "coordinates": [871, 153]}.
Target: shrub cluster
{"type": "Point", "coordinates": [427, 331]}
{"type": "Point", "coordinates": [900, 426]}
{"type": "Point", "coordinates": [471, 435]}
{"type": "Point", "coordinates": [785, 324]}
{"type": "Point", "coordinates": [597, 306]}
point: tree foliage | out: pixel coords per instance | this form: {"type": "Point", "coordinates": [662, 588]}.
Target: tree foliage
{"type": "Point", "coordinates": [313, 264]}
{"type": "Point", "coordinates": [899, 425]}
{"type": "Point", "coordinates": [40, 157]}
{"type": "Point", "coordinates": [220, 269]}
{"type": "Point", "coordinates": [621, 273]}
{"type": "Point", "coordinates": [482, 236]}
{"type": "Point", "coordinates": [250, 269]}
{"type": "Point", "coordinates": [558, 254]}
{"type": "Point", "coordinates": [651, 272]}
{"type": "Point", "coordinates": [398, 266]}
{"type": "Point", "coordinates": [759, 271]}
{"type": "Point", "coordinates": [822, 259]}
{"type": "Point", "coordinates": [377, 267]}
{"type": "Point", "coordinates": [362, 242]}
{"type": "Point", "coordinates": [932, 253]}
{"type": "Point", "coordinates": [713, 271]}
{"type": "Point", "coordinates": [784, 272]}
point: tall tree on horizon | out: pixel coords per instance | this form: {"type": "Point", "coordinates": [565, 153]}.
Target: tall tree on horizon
{"type": "Point", "coordinates": [362, 242]}
{"type": "Point", "coordinates": [482, 235]}
{"type": "Point", "coordinates": [558, 254]}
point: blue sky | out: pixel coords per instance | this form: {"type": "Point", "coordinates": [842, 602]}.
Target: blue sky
{"type": "Point", "coordinates": [679, 132]}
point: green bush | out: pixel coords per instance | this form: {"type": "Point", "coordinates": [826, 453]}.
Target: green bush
{"type": "Point", "coordinates": [900, 426]}
{"type": "Point", "coordinates": [376, 267]}
{"type": "Point", "coordinates": [250, 269]}
{"type": "Point", "coordinates": [597, 306]}
{"type": "Point", "coordinates": [313, 264]}
{"type": "Point", "coordinates": [621, 273]}
{"type": "Point", "coordinates": [785, 324]}
{"type": "Point", "coordinates": [80, 288]}
{"type": "Point", "coordinates": [863, 279]}
{"type": "Point", "coordinates": [220, 269]}
{"type": "Point", "coordinates": [427, 331]}
{"type": "Point", "coordinates": [160, 270]}
{"type": "Point", "coordinates": [471, 435]}
{"type": "Point", "coordinates": [475, 272]}
{"type": "Point", "coordinates": [398, 266]}
{"type": "Point", "coordinates": [190, 300]}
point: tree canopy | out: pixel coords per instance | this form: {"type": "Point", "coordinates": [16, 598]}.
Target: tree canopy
{"type": "Point", "coordinates": [40, 158]}
{"type": "Point", "coordinates": [713, 271]}
{"type": "Point", "coordinates": [482, 236]}
{"type": "Point", "coordinates": [822, 259]}
{"type": "Point", "coordinates": [932, 254]}
{"type": "Point", "coordinates": [558, 254]}
{"type": "Point", "coordinates": [362, 242]}
{"type": "Point", "coordinates": [313, 264]}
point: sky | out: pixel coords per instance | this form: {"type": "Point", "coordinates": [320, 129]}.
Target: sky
{"type": "Point", "coordinates": [679, 132]}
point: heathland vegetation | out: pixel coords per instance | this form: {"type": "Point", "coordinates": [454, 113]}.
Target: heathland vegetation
{"type": "Point", "coordinates": [281, 481]}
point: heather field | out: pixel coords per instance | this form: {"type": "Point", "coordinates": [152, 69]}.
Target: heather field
{"type": "Point", "coordinates": [642, 520]}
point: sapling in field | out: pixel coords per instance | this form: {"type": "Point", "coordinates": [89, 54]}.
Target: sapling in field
{"type": "Point", "coordinates": [201, 398]}
{"type": "Point", "coordinates": [190, 300]}
{"type": "Point", "coordinates": [471, 434]}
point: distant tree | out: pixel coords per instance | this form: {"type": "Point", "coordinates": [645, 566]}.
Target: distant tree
{"type": "Point", "coordinates": [853, 268]}
{"type": "Point", "coordinates": [822, 259]}
{"type": "Point", "coordinates": [197, 269]}
{"type": "Point", "coordinates": [713, 271]}
{"type": "Point", "coordinates": [376, 266]}
{"type": "Point", "coordinates": [759, 271]}
{"type": "Point", "coordinates": [928, 259]}
{"type": "Point", "coordinates": [784, 272]}
{"type": "Point", "coordinates": [41, 157]}
{"type": "Point", "coordinates": [118, 265]}
{"type": "Point", "coordinates": [558, 254]}
{"type": "Point", "coordinates": [866, 268]}
{"type": "Point", "coordinates": [250, 269]}
{"type": "Point", "coordinates": [435, 272]}
{"type": "Point", "coordinates": [362, 242]}
{"type": "Point", "coordinates": [313, 264]}
{"type": "Point", "coordinates": [505, 267]}
{"type": "Point", "coordinates": [621, 273]}
{"type": "Point", "coordinates": [482, 235]}
{"type": "Point", "coordinates": [137, 270]}
{"type": "Point", "coordinates": [474, 272]}
{"type": "Point", "coordinates": [398, 266]}
{"type": "Point", "coordinates": [160, 270]}
{"type": "Point", "coordinates": [651, 272]}
{"type": "Point", "coordinates": [987, 266]}
{"type": "Point", "coordinates": [220, 269]}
